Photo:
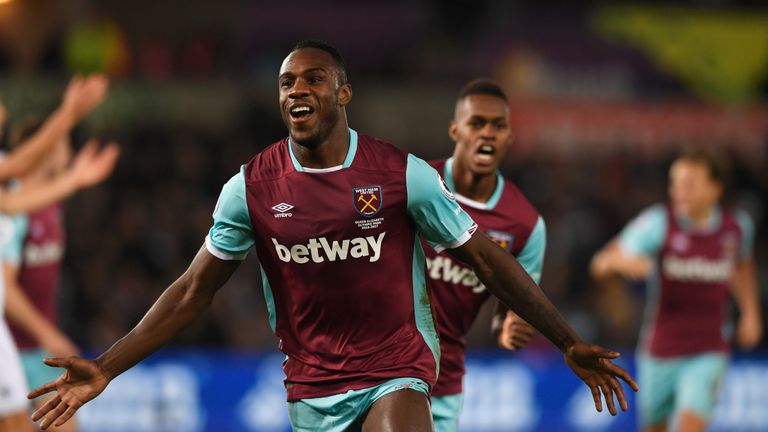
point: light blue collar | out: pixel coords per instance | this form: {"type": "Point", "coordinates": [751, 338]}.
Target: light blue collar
{"type": "Point", "coordinates": [488, 205]}
{"type": "Point", "coordinates": [713, 223]}
{"type": "Point", "coordinates": [347, 161]}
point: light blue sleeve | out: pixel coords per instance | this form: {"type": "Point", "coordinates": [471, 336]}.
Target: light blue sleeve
{"type": "Point", "coordinates": [439, 218]}
{"type": "Point", "coordinates": [231, 236]}
{"type": "Point", "coordinates": [13, 230]}
{"type": "Point", "coordinates": [532, 255]}
{"type": "Point", "coordinates": [645, 234]}
{"type": "Point", "coordinates": [747, 232]}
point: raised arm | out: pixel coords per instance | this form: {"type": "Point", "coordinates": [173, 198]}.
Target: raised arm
{"type": "Point", "coordinates": [508, 281]}
{"type": "Point", "coordinates": [81, 96]}
{"type": "Point", "coordinates": [176, 308]}
{"type": "Point", "coordinates": [90, 167]}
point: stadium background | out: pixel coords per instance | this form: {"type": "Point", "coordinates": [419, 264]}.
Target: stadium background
{"type": "Point", "coordinates": [603, 97]}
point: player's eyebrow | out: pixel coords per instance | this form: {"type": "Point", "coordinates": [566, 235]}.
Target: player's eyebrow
{"type": "Point", "coordinates": [488, 119]}
{"type": "Point", "coordinates": [305, 71]}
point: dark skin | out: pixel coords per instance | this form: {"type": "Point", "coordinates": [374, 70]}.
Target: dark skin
{"type": "Point", "coordinates": [480, 129]}
{"type": "Point", "coordinates": [312, 77]}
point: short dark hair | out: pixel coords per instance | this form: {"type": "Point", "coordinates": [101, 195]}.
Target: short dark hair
{"type": "Point", "coordinates": [482, 86]}
{"type": "Point", "coordinates": [717, 165]}
{"type": "Point", "coordinates": [330, 49]}
{"type": "Point", "coordinates": [23, 129]}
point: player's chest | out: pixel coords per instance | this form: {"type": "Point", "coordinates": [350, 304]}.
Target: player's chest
{"type": "Point", "coordinates": [336, 205]}
{"type": "Point", "coordinates": [719, 245]}
{"type": "Point", "coordinates": [693, 258]}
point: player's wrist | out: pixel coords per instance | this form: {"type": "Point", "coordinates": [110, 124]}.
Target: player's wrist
{"type": "Point", "coordinates": [67, 114]}
{"type": "Point", "coordinates": [569, 345]}
{"type": "Point", "coordinates": [103, 366]}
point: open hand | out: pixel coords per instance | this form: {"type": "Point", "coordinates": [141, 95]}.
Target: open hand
{"type": "Point", "coordinates": [593, 365]}
{"type": "Point", "coordinates": [83, 94]}
{"type": "Point", "coordinates": [82, 381]}
{"type": "Point", "coordinates": [92, 166]}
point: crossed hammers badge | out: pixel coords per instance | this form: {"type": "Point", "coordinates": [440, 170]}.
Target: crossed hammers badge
{"type": "Point", "coordinates": [367, 200]}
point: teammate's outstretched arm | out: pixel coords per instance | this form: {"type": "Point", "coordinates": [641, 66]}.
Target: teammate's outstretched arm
{"type": "Point", "coordinates": [90, 167]}
{"type": "Point", "coordinates": [508, 281]}
{"type": "Point", "coordinates": [613, 260]}
{"type": "Point", "coordinates": [81, 96]}
{"type": "Point", "coordinates": [176, 308]}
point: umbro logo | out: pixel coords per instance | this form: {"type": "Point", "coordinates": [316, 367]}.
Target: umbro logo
{"type": "Point", "coordinates": [282, 210]}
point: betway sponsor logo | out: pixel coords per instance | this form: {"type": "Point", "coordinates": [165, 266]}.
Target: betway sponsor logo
{"type": "Point", "coordinates": [443, 268]}
{"type": "Point", "coordinates": [44, 254]}
{"type": "Point", "coordinates": [697, 269]}
{"type": "Point", "coordinates": [320, 249]}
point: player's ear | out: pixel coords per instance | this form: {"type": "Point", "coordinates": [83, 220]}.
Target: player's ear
{"type": "Point", "coordinates": [453, 130]}
{"type": "Point", "coordinates": [345, 94]}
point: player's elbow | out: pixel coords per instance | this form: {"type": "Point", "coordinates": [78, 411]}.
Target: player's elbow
{"type": "Point", "coordinates": [196, 295]}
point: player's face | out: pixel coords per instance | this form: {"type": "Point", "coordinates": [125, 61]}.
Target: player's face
{"type": "Point", "coordinates": [691, 188]}
{"type": "Point", "coordinates": [481, 132]}
{"type": "Point", "coordinates": [311, 95]}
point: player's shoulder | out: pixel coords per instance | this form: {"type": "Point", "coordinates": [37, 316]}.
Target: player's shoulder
{"type": "Point", "coordinates": [514, 202]}
{"type": "Point", "coordinates": [271, 163]}
{"type": "Point", "coordinates": [438, 164]}
{"type": "Point", "coordinates": [375, 154]}
{"type": "Point", "coordinates": [739, 218]}
{"type": "Point", "coordinates": [655, 213]}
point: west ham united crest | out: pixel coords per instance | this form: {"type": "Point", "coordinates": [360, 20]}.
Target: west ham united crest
{"type": "Point", "coordinates": [367, 200]}
{"type": "Point", "coordinates": [505, 240]}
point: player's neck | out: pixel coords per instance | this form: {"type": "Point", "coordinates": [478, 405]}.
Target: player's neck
{"type": "Point", "coordinates": [329, 153]}
{"type": "Point", "coordinates": [477, 187]}
{"type": "Point", "coordinates": [702, 217]}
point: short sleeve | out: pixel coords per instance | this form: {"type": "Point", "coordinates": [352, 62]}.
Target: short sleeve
{"type": "Point", "coordinates": [439, 218]}
{"type": "Point", "coordinates": [532, 255]}
{"type": "Point", "coordinates": [747, 226]}
{"type": "Point", "coordinates": [13, 230]}
{"type": "Point", "coordinates": [231, 236]}
{"type": "Point", "coordinates": [644, 235]}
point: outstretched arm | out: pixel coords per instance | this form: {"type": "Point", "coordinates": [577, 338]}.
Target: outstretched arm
{"type": "Point", "coordinates": [81, 96]}
{"type": "Point", "coordinates": [612, 260]}
{"type": "Point", "coordinates": [508, 281]}
{"type": "Point", "coordinates": [91, 166]}
{"type": "Point", "coordinates": [176, 308]}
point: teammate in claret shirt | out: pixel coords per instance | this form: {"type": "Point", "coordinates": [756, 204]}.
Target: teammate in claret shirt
{"type": "Point", "coordinates": [335, 218]}
{"type": "Point", "coordinates": [28, 160]}
{"type": "Point", "coordinates": [693, 252]}
{"type": "Point", "coordinates": [481, 132]}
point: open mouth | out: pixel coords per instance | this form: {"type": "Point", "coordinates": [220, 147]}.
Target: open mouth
{"type": "Point", "coordinates": [299, 112]}
{"type": "Point", "coordinates": [485, 154]}
{"type": "Point", "coordinates": [486, 150]}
